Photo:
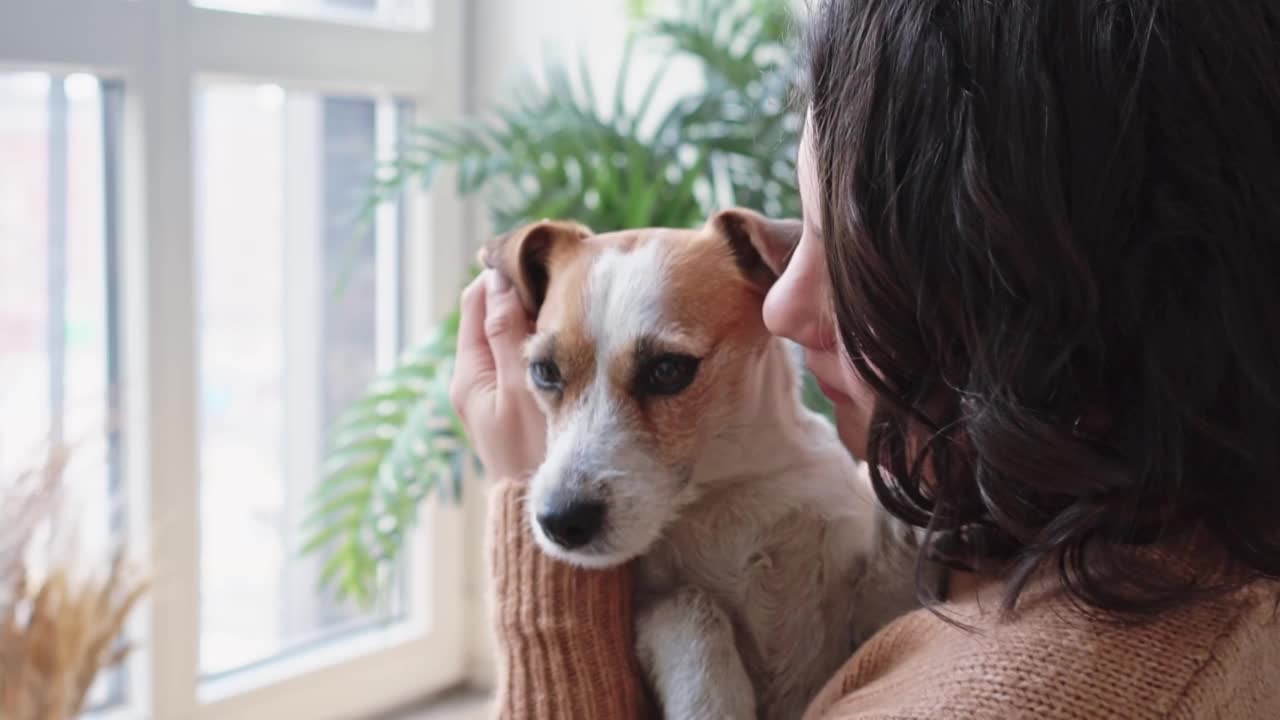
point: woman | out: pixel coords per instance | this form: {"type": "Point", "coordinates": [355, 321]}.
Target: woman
{"type": "Point", "coordinates": [1040, 278]}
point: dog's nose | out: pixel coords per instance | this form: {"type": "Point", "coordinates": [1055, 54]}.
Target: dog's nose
{"type": "Point", "coordinates": [573, 524]}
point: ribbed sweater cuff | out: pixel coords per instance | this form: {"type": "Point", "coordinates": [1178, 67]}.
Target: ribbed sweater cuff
{"type": "Point", "coordinates": [565, 634]}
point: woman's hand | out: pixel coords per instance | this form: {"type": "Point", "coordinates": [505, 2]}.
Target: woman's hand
{"type": "Point", "coordinates": [503, 422]}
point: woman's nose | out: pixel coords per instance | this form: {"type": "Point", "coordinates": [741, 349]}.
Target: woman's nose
{"type": "Point", "coordinates": [798, 305]}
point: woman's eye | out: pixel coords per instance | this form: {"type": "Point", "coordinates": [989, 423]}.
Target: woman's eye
{"type": "Point", "coordinates": [668, 374]}
{"type": "Point", "coordinates": [545, 375]}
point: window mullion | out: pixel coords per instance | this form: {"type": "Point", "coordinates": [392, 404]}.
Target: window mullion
{"type": "Point", "coordinates": [118, 522]}
{"type": "Point", "coordinates": [161, 385]}
{"type": "Point", "coordinates": [303, 329]}
{"type": "Point", "coordinates": [387, 234]}
{"type": "Point", "coordinates": [56, 257]}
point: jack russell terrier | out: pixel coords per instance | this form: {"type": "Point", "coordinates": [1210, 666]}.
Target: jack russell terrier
{"type": "Point", "coordinates": [677, 437]}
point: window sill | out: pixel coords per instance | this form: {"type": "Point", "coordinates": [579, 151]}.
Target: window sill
{"type": "Point", "coordinates": [275, 671]}
{"type": "Point", "coordinates": [460, 704]}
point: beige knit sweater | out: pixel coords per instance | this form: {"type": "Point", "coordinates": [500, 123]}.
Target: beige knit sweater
{"type": "Point", "coordinates": [565, 639]}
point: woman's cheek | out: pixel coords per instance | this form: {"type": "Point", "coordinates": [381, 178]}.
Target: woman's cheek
{"type": "Point", "coordinates": [853, 418]}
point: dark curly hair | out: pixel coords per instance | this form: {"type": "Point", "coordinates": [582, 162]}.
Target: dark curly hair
{"type": "Point", "coordinates": [1053, 235]}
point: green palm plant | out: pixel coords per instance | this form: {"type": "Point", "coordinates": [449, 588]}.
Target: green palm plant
{"type": "Point", "coordinates": [555, 152]}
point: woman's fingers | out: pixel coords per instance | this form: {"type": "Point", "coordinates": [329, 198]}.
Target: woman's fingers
{"type": "Point", "coordinates": [503, 422]}
{"type": "Point", "coordinates": [506, 326]}
{"type": "Point", "coordinates": [474, 363]}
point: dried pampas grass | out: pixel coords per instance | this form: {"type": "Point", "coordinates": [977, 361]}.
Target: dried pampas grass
{"type": "Point", "coordinates": [60, 621]}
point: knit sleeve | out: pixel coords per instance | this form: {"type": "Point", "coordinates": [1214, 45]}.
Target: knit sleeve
{"type": "Point", "coordinates": [565, 634]}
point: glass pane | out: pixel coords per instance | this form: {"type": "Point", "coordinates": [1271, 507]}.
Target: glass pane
{"type": "Point", "coordinates": [405, 14]}
{"type": "Point", "coordinates": [297, 311]}
{"type": "Point", "coordinates": [57, 360]}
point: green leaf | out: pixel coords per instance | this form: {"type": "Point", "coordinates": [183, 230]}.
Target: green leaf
{"type": "Point", "coordinates": [343, 467]}
{"type": "Point", "coordinates": [321, 538]}
{"type": "Point", "coordinates": [637, 9]}
{"type": "Point", "coordinates": [338, 562]}
{"type": "Point", "coordinates": [334, 506]}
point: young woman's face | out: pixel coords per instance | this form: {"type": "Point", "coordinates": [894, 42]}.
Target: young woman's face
{"type": "Point", "coordinates": [799, 308]}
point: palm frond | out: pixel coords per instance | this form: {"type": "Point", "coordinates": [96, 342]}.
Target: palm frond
{"type": "Point", "coordinates": [553, 151]}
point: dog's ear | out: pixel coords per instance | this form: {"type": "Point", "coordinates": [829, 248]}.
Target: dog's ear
{"type": "Point", "coordinates": [760, 245]}
{"type": "Point", "coordinates": [524, 256]}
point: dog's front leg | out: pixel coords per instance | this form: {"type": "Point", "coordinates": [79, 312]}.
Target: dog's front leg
{"type": "Point", "coordinates": [686, 645]}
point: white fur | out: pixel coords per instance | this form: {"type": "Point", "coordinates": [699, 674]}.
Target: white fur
{"type": "Point", "coordinates": [688, 649]}
{"type": "Point", "coordinates": [624, 296]}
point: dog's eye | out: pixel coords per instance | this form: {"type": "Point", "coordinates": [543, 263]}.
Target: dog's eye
{"type": "Point", "coordinates": [545, 375]}
{"type": "Point", "coordinates": [668, 374]}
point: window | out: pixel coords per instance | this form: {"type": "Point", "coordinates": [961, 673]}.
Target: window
{"type": "Point", "coordinates": [58, 345]}
{"type": "Point", "coordinates": [54, 335]}
{"type": "Point", "coordinates": [188, 286]}
{"type": "Point", "coordinates": [286, 341]}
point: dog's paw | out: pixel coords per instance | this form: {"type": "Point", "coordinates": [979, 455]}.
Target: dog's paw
{"type": "Point", "coordinates": [685, 643]}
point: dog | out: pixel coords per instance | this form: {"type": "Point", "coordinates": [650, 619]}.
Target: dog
{"type": "Point", "coordinates": [677, 438]}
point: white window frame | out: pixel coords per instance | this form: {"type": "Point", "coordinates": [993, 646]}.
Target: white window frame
{"type": "Point", "coordinates": [162, 50]}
